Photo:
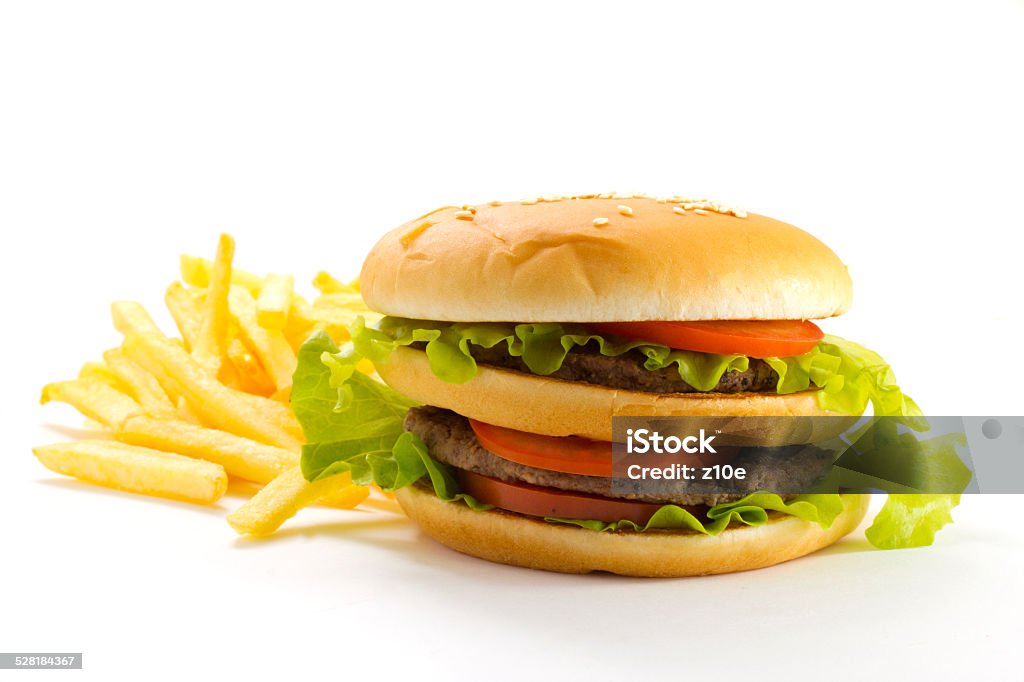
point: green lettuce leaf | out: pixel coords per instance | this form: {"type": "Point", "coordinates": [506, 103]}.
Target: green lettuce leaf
{"type": "Point", "coordinates": [542, 346]}
{"type": "Point", "coordinates": [752, 510]}
{"type": "Point", "coordinates": [911, 520]}
{"type": "Point", "coordinates": [442, 476]}
{"type": "Point", "coordinates": [335, 402]}
{"type": "Point", "coordinates": [849, 375]}
{"type": "Point", "coordinates": [346, 417]}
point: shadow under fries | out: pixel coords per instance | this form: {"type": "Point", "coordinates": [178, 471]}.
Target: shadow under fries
{"type": "Point", "coordinates": [359, 525]}
{"type": "Point", "coordinates": [86, 432]}
{"type": "Point", "coordinates": [96, 489]}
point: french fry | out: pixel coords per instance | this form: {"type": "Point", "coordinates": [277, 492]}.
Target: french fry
{"type": "Point", "coordinates": [327, 283]}
{"type": "Point", "coordinates": [185, 306]}
{"type": "Point", "coordinates": [187, 413]}
{"type": "Point", "coordinates": [212, 342]}
{"type": "Point", "coordinates": [300, 323]}
{"type": "Point", "coordinates": [131, 318]}
{"type": "Point", "coordinates": [347, 301]}
{"type": "Point", "coordinates": [283, 497]}
{"type": "Point", "coordinates": [216, 404]}
{"type": "Point", "coordinates": [137, 470]}
{"type": "Point", "coordinates": [241, 457]}
{"type": "Point", "coordinates": [339, 309]}
{"type": "Point", "coordinates": [249, 374]}
{"type": "Point", "coordinates": [305, 319]}
{"type": "Point", "coordinates": [99, 370]}
{"type": "Point", "coordinates": [142, 385]}
{"type": "Point", "coordinates": [275, 301]}
{"type": "Point", "coordinates": [271, 410]}
{"type": "Point", "coordinates": [94, 398]}
{"type": "Point", "coordinates": [269, 345]}
{"type": "Point", "coordinates": [347, 497]}
{"type": "Point", "coordinates": [196, 271]}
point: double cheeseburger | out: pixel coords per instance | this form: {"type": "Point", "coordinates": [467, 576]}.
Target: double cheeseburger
{"type": "Point", "coordinates": [569, 311]}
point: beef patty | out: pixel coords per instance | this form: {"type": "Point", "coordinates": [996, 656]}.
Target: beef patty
{"type": "Point", "coordinates": [450, 439]}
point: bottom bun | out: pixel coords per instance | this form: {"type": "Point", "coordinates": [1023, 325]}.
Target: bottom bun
{"type": "Point", "coordinates": [516, 540]}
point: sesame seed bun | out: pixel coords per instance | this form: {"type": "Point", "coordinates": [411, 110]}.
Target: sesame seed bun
{"type": "Point", "coordinates": [554, 407]}
{"type": "Point", "coordinates": [602, 259]}
{"type": "Point", "coordinates": [509, 538]}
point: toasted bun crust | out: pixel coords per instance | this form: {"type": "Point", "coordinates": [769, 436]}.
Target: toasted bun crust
{"type": "Point", "coordinates": [550, 262]}
{"type": "Point", "coordinates": [516, 540]}
{"type": "Point", "coordinates": [554, 407]}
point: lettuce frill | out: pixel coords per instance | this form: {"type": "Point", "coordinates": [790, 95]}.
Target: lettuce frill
{"type": "Point", "coordinates": [848, 375]}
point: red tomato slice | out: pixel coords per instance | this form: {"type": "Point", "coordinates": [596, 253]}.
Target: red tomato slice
{"type": "Point", "coordinates": [575, 455]}
{"type": "Point", "coordinates": [534, 500]}
{"type": "Point", "coordinates": [568, 454]}
{"type": "Point", "coordinates": [754, 338]}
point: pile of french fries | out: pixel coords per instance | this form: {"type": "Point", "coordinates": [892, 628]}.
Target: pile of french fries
{"type": "Point", "coordinates": [184, 415]}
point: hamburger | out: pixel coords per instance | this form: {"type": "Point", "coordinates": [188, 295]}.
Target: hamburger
{"type": "Point", "coordinates": [511, 334]}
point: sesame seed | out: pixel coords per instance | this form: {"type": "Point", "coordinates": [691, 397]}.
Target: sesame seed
{"type": "Point", "coordinates": [679, 210]}
{"type": "Point", "coordinates": [740, 214]}
{"type": "Point", "coordinates": [529, 202]}
{"type": "Point", "coordinates": [700, 211]}
{"type": "Point", "coordinates": [625, 210]}
{"type": "Point", "coordinates": [600, 222]}
{"type": "Point", "coordinates": [494, 203]}
{"type": "Point", "coordinates": [464, 215]}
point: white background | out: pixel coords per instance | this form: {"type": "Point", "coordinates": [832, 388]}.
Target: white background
{"type": "Point", "coordinates": [132, 132]}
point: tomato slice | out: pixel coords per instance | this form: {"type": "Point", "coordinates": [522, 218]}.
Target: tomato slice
{"type": "Point", "coordinates": [754, 338]}
{"type": "Point", "coordinates": [567, 454]}
{"type": "Point", "coordinates": [575, 455]}
{"type": "Point", "coordinates": [535, 500]}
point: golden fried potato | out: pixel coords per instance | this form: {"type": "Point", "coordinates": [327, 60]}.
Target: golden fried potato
{"type": "Point", "coordinates": [137, 470]}
{"type": "Point", "coordinates": [241, 457]}
{"type": "Point", "coordinates": [283, 497]}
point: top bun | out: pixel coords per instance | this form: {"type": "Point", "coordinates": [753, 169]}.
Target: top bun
{"type": "Point", "coordinates": [603, 258]}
